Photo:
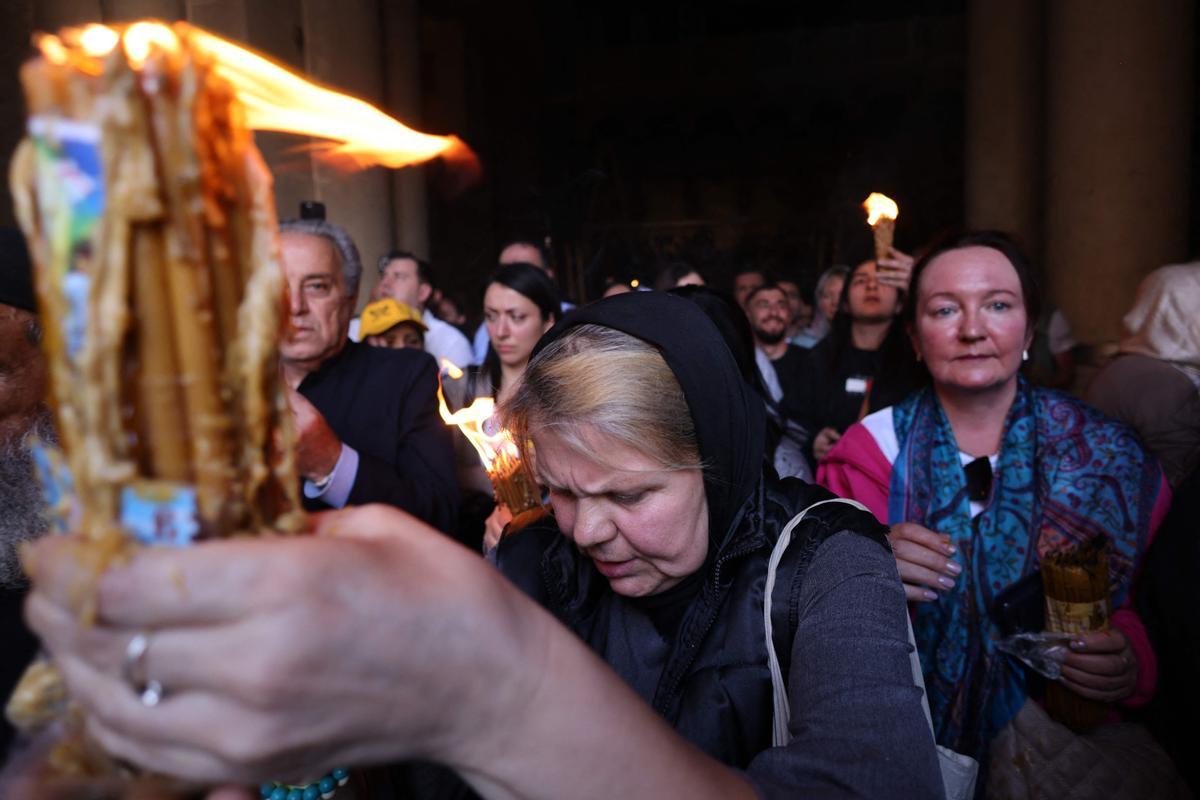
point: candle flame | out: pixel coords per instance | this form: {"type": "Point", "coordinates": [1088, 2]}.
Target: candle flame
{"type": "Point", "coordinates": [880, 206]}
{"type": "Point", "coordinates": [273, 97]}
{"type": "Point", "coordinates": [98, 40]}
{"type": "Point", "coordinates": [451, 369]}
{"type": "Point", "coordinates": [476, 423]}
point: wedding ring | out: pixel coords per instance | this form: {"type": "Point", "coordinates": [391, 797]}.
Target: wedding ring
{"type": "Point", "coordinates": [134, 671]}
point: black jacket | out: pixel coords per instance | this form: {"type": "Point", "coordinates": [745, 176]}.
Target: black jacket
{"type": "Point", "coordinates": [715, 687]}
{"type": "Point", "coordinates": [383, 403]}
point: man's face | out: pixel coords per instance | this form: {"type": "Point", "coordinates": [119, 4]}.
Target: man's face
{"type": "Point", "coordinates": [319, 308]}
{"type": "Point", "coordinates": [398, 337]}
{"type": "Point", "coordinates": [22, 385]}
{"type": "Point", "coordinates": [401, 281]}
{"type": "Point", "coordinates": [768, 313]}
{"type": "Point", "coordinates": [743, 284]}
{"type": "Point", "coordinates": [522, 253]}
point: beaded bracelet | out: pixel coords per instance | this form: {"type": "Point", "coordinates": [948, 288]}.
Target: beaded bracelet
{"type": "Point", "coordinates": [323, 788]}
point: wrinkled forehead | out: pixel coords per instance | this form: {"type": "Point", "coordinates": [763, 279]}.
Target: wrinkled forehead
{"type": "Point", "coordinates": [583, 455]}
{"type": "Point", "coordinates": [305, 255]}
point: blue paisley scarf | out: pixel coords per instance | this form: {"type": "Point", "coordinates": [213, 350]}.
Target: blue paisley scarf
{"type": "Point", "coordinates": [1066, 473]}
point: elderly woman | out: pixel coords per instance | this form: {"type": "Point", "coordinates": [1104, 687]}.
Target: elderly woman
{"type": "Point", "coordinates": [378, 640]}
{"type": "Point", "coordinates": [981, 476]}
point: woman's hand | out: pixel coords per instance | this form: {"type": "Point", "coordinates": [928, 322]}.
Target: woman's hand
{"type": "Point", "coordinates": [824, 441]}
{"type": "Point", "coordinates": [895, 270]}
{"type": "Point", "coordinates": [283, 658]}
{"type": "Point", "coordinates": [926, 561]}
{"type": "Point", "coordinates": [493, 526]}
{"type": "Point", "coordinates": [1101, 666]}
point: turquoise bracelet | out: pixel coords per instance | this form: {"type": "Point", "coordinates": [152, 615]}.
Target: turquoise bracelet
{"type": "Point", "coordinates": [323, 788]}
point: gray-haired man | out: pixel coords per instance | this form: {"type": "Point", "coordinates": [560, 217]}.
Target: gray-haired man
{"type": "Point", "coordinates": [366, 420]}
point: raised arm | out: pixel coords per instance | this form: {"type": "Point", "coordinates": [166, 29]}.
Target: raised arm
{"type": "Point", "coordinates": [375, 641]}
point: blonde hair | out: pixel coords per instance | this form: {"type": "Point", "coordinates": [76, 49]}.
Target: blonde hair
{"type": "Point", "coordinates": [600, 381]}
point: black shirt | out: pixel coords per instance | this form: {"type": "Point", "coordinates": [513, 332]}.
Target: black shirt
{"type": "Point", "coordinates": [789, 368]}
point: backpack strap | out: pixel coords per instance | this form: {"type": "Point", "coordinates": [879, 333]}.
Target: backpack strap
{"type": "Point", "coordinates": [785, 622]}
{"type": "Point", "coordinates": [958, 771]}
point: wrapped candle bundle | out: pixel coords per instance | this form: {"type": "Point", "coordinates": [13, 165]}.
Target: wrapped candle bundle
{"type": "Point", "coordinates": [1076, 586]}
{"type": "Point", "coordinates": [507, 469]}
{"type": "Point", "coordinates": [882, 212]}
{"type": "Point", "coordinates": [150, 217]}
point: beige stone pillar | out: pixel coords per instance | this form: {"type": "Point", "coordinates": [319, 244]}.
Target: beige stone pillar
{"type": "Point", "coordinates": [402, 98]}
{"type": "Point", "coordinates": [342, 50]}
{"type": "Point", "coordinates": [1004, 117]}
{"type": "Point", "coordinates": [1120, 84]}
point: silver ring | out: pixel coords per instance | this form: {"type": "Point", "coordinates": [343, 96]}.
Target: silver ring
{"type": "Point", "coordinates": [134, 670]}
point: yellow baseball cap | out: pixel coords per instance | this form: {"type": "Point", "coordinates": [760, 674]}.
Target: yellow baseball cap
{"type": "Point", "coordinates": [384, 314]}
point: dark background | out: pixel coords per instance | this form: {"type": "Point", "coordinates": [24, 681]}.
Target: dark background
{"type": "Point", "coordinates": [727, 134]}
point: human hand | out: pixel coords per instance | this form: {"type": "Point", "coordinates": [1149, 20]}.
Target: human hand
{"type": "Point", "coordinates": [493, 526]}
{"type": "Point", "coordinates": [925, 560]}
{"type": "Point", "coordinates": [895, 270]}
{"type": "Point", "coordinates": [283, 658]}
{"type": "Point", "coordinates": [1101, 666]}
{"type": "Point", "coordinates": [317, 446]}
{"type": "Point", "coordinates": [824, 441]}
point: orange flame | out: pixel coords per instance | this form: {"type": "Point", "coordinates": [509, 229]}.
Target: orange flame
{"type": "Point", "coordinates": [880, 206]}
{"type": "Point", "coordinates": [475, 421]}
{"type": "Point", "coordinates": [274, 98]}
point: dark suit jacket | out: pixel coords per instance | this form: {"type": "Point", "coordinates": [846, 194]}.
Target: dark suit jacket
{"type": "Point", "coordinates": [383, 403]}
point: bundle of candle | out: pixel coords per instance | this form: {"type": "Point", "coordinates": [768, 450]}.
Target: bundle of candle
{"type": "Point", "coordinates": [1077, 600]}
{"type": "Point", "coordinates": [150, 218]}
{"type": "Point", "coordinates": [507, 469]}
{"type": "Point", "coordinates": [882, 212]}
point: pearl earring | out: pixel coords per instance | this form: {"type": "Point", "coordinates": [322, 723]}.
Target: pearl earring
{"type": "Point", "coordinates": [1024, 355]}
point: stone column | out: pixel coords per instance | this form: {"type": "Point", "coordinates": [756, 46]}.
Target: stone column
{"type": "Point", "coordinates": [1120, 84]}
{"type": "Point", "coordinates": [1004, 118]}
{"type": "Point", "coordinates": [343, 51]}
{"type": "Point", "coordinates": [402, 99]}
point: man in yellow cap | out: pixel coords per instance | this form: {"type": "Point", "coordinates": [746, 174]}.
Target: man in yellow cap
{"type": "Point", "coordinates": [390, 323]}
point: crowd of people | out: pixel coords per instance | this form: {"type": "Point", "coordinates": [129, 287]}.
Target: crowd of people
{"type": "Point", "coordinates": [776, 532]}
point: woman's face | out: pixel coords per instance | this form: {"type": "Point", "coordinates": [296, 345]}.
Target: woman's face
{"type": "Point", "coordinates": [645, 528]}
{"type": "Point", "coordinates": [514, 324]}
{"type": "Point", "coordinates": [869, 300]}
{"type": "Point", "coordinates": [831, 293]}
{"type": "Point", "coordinates": [971, 325]}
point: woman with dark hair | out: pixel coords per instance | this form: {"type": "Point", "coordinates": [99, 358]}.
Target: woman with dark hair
{"type": "Point", "coordinates": [631, 659]}
{"type": "Point", "coordinates": [864, 364]}
{"type": "Point", "coordinates": [981, 476]}
{"type": "Point", "coordinates": [520, 304]}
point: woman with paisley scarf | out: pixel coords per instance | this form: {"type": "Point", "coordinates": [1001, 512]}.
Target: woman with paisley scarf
{"type": "Point", "coordinates": [981, 475]}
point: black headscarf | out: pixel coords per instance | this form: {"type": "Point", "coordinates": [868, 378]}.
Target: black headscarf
{"type": "Point", "coordinates": [729, 419]}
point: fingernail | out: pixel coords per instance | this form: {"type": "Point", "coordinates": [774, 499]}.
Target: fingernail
{"type": "Point", "coordinates": [944, 581]}
{"type": "Point", "coordinates": [1078, 644]}
{"type": "Point", "coordinates": [951, 549]}
{"type": "Point", "coordinates": [953, 567]}
{"type": "Point", "coordinates": [930, 594]}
